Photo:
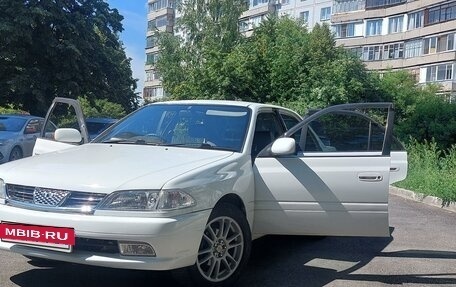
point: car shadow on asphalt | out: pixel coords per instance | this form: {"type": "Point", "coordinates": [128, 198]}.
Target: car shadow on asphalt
{"type": "Point", "coordinates": [275, 261]}
{"type": "Point", "coordinates": [317, 261]}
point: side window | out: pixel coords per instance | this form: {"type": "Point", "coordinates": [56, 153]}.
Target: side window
{"type": "Point", "coordinates": [342, 132]}
{"type": "Point", "coordinates": [63, 116]}
{"type": "Point", "coordinates": [267, 129]}
{"type": "Point", "coordinates": [33, 127]}
{"type": "Point", "coordinates": [289, 121]}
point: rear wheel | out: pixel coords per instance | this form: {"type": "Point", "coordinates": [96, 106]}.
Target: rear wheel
{"type": "Point", "coordinates": [16, 153]}
{"type": "Point", "coordinates": [224, 249]}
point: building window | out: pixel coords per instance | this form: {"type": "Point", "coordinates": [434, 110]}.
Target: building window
{"type": "Point", "coordinates": [415, 20]}
{"type": "Point", "coordinates": [345, 30]}
{"type": "Point", "coordinates": [152, 75]}
{"type": "Point", "coordinates": [152, 58]}
{"type": "Point", "coordinates": [153, 92]}
{"type": "Point", "coordinates": [160, 4]}
{"type": "Point", "coordinates": [325, 13]}
{"type": "Point", "coordinates": [442, 72]}
{"type": "Point", "coordinates": [393, 51]}
{"type": "Point", "coordinates": [372, 53]}
{"type": "Point", "coordinates": [151, 41]}
{"type": "Point", "coordinates": [243, 26]}
{"type": "Point", "coordinates": [440, 13]}
{"type": "Point", "coordinates": [415, 74]}
{"type": "Point", "coordinates": [413, 48]}
{"type": "Point", "coordinates": [357, 51]}
{"type": "Point", "coordinates": [430, 45]}
{"type": "Point", "coordinates": [382, 3]}
{"type": "Point", "coordinates": [395, 24]}
{"type": "Point", "coordinates": [343, 6]}
{"type": "Point", "coordinates": [304, 16]}
{"type": "Point", "coordinates": [374, 27]}
{"type": "Point", "coordinates": [254, 3]}
{"type": "Point", "coordinates": [256, 21]}
{"type": "Point", "coordinates": [445, 42]}
{"type": "Point", "coordinates": [161, 21]}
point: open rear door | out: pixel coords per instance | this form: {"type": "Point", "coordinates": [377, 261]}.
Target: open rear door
{"type": "Point", "coordinates": [64, 113]}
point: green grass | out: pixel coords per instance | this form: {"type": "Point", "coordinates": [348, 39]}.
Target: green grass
{"type": "Point", "coordinates": [431, 171]}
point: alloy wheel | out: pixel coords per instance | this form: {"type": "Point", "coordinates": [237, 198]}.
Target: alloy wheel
{"type": "Point", "coordinates": [221, 249]}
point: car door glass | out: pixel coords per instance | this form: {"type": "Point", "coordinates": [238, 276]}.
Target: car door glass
{"type": "Point", "coordinates": [63, 116]}
{"type": "Point", "coordinates": [267, 129]}
{"type": "Point", "coordinates": [290, 122]}
{"type": "Point", "coordinates": [342, 132]}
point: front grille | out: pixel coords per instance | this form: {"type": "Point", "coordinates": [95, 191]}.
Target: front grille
{"type": "Point", "coordinates": [53, 199]}
{"type": "Point", "coordinates": [96, 245]}
{"type": "Point", "coordinates": [49, 197]}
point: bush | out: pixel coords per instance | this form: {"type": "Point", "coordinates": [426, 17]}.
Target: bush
{"type": "Point", "coordinates": [11, 109]}
{"type": "Point", "coordinates": [432, 118]}
{"type": "Point", "coordinates": [432, 171]}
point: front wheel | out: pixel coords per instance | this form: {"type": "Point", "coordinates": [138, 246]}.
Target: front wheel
{"type": "Point", "coordinates": [16, 153]}
{"type": "Point", "coordinates": [224, 249]}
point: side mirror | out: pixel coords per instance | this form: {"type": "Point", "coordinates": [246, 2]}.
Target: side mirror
{"type": "Point", "coordinates": [68, 135]}
{"type": "Point", "coordinates": [283, 146]}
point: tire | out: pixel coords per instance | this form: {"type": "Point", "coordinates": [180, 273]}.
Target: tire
{"type": "Point", "coordinates": [16, 153]}
{"type": "Point", "coordinates": [223, 252]}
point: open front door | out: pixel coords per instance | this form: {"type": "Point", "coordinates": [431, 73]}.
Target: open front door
{"type": "Point", "coordinates": [63, 114]}
{"type": "Point", "coordinates": [336, 183]}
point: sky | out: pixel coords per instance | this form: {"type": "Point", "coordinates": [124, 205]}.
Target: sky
{"type": "Point", "coordinates": [134, 34]}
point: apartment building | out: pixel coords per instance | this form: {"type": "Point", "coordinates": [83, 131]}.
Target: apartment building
{"type": "Point", "coordinates": [417, 35]}
{"type": "Point", "coordinates": [160, 17]}
{"type": "Point", "coordinates": [162, 14]}
{"type": "Point", "coordinates": [310, 11]}
{"type": "Point", "coordinates": [398, 34]}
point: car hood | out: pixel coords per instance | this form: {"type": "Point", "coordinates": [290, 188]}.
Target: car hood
{"type": "Point", "coordinates": [104, 168]}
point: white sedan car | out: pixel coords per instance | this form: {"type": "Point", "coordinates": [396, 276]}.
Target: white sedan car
{"type": "Point", "coordinates": [192, 183]}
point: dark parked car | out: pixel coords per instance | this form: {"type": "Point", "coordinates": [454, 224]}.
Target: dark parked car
{"type": "Point", "coordinates": [18, 134]}
{"type": "Point", "coordinates": [96, 125]}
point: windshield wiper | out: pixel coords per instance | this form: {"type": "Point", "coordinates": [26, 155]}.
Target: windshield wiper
{"type": "Point", "coordinates": [126, 141]}
{"type": "Point", "coordinates": [199, 145]}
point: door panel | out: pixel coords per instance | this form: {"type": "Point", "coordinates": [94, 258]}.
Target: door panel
{"type": "Point", "coordinates": [63, 113]}
{"type": "Point", "coordinates": [336, 184]}
{"type": "Point", "coordinates": [399, 166]}
{"type": "Point", "coordinates": [316, 195]}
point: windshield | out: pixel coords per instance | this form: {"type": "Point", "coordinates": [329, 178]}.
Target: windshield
{"type": "Point", "coordinates": [10, 124]}
{"type": "Point", "coordinates": [190, 125]}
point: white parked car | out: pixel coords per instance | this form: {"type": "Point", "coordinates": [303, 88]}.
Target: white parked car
{"type": "Point", "coordinates": [192, 183]}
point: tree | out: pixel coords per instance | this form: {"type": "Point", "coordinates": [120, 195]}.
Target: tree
{"type": "Point", "coordinates": [192, 68]}
{"type": "Point", "coordinates": [420, 112]}
{"type": "Point", "coordinates": [101, 108]}
{"type": "Point", "coordinates": [281, 62]}
{"type": "Point", "coordinates": [68, 48]}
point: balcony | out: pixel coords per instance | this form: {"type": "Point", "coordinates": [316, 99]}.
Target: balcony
{"type": "Point", "coordinates": [376, 4]}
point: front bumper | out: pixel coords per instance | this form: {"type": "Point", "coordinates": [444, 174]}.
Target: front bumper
{"type": "Point", "coordinates": [175, 240]}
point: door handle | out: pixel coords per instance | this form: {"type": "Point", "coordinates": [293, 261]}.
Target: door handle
{"type": "Point", "coordinates": [370, 177]}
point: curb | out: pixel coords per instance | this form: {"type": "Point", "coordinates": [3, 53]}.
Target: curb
{"type": "Point", "coordinates": [419, 197]}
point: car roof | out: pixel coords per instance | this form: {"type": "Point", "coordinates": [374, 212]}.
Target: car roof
{"type": "Point", "coordinates": [20, 116]}
{"type": "Point", "coordinates": [251, 105]}
{"type": "Point", "coordinates": [101, 120]}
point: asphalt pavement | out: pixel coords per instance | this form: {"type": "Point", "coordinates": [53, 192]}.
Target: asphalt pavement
{"type": "Point", "coordinates": [420, 252]}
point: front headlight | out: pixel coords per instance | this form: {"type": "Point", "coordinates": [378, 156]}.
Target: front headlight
{"type": "Point", "coordinates": [147, 200]}
{"type": "Point", "coordinates": [2, 191]}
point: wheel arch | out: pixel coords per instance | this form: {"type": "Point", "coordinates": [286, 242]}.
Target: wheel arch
{"type": "Point", "coordinates": [14, 147]}
{"type": "Point", "coordinates": [232, 199]}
